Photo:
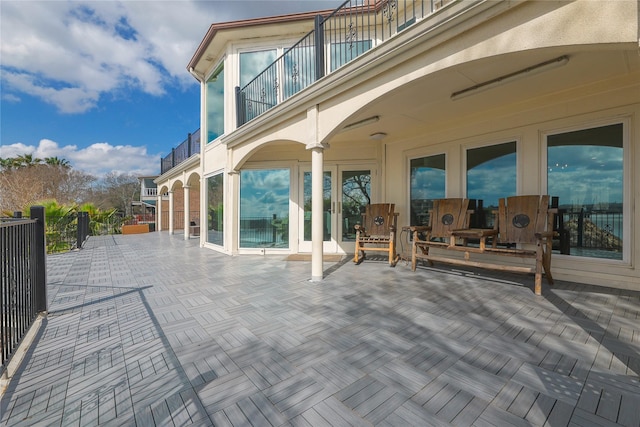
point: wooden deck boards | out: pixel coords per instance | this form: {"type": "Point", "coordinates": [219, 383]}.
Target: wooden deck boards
{"type": "Point", "coordinates": [177, 335]}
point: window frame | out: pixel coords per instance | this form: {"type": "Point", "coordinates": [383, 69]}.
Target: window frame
{"type": "Point", "coordinates": [219, 67]}
{"type": "Point", "coordinates": [224, 195]}
{"type": "Point", "coordinates": [415, 156]}
{"type": "Point", "coordinates": [489, 143]}
{"type": "Point", "coordinates": [292, 208]}
{"type": "Point", "coordinates": [625, 121]}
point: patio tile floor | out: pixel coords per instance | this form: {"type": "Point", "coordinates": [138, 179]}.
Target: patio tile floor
{"type": "Point", "coordinates": [150, 329]}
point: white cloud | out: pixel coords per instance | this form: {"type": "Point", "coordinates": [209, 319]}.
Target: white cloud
{"type": "Point", "coordinates": [97, 159]}
{"type": "Point", "coordinates": [70, 53]}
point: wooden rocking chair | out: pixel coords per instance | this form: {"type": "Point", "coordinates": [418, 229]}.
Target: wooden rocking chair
{"type": "Point", "coordinates": [377, 232]}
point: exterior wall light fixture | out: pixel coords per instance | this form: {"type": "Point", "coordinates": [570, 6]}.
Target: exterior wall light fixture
{"type": "Point", "coordinates": [525, 72]}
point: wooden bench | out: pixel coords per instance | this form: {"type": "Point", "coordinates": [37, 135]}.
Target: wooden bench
{"type": "Point", "coordinates": [135, 229]}
{"type": "Point", "coordinates": [523, 228]}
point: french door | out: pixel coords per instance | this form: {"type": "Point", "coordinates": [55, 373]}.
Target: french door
{"type": "Point", "coordinates": [347, 189]}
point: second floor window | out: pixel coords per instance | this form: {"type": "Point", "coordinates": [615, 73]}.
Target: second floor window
{"type": "Point", "coordinates": [215, 105]}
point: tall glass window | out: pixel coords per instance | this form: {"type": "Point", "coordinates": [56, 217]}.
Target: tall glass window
{"type": "Point", "coordinates": [264, 208]}
{"type": "Point", "coordinates": [491, 175]}
{"type": "Point", "coordinates": [427, 185]}
{"type": "Point", "coordinates": [215, 209]}
{"type": "Point", "coordinates": [585, 172]}
{"type": "Point", "coordinates": [253, 63]}
{"type": "Point", "coordinates": [262, 94]}
{"type": "Point", "coordinates": [215, 105]}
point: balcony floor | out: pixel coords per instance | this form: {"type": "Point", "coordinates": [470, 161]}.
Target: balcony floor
{"type": "Point", "coordinates": [150, 329]}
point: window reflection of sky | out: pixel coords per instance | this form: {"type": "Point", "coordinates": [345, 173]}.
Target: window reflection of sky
{"type": "Point", "coordinates": [494, 176]}
{"type": "Point", "coordinates": [215, 106]}
{"type": "Point", "coordinates": [253, 63]}
{"type": "Point", "coordinates": [428, 179]}
{"type": "Point", "coordinates": [264, 193]}
{"type": "Point", "coordinates": [585, 175]}
{"type": "Point", "coordinates": [427, 183]}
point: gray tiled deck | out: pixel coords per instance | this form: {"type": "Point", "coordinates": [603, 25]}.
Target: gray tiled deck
{"type": "Point", "coordinates": [151, 330]}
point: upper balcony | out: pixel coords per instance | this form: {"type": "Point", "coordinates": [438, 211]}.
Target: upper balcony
{"type": "Point", "coordinates": [182, 152]}
{"type": "Point", "coordinates": [349, 31]}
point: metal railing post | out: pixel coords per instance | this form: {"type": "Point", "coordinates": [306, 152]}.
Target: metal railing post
{"type": "Point", "coordinates": [319, 46]}
{"type": "Point", "coordinates": [240, 108]}
{"type": "Point", "coordinates": [83, 227]}
{"type": "Point", "coordinates": [39, 255]}
{"type": "Point", "coordinates": [580, 227]}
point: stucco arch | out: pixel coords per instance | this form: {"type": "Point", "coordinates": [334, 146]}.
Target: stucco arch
{"type": "Point", "coordinates": [175, 184]}
{"type": "Point", "coordinates": [193, 180]}
{"type": "Point", "coordinates": [240, 155]}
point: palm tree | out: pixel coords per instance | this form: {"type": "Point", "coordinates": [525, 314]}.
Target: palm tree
{"type": "Point", "coordinates": [6, 163]}
{"type": "Point", "coordinates": [56, 161]}
{"type": "Point", "coordinates": [101, 221]}
{"type": "Point", "coordinates": [27, 160]}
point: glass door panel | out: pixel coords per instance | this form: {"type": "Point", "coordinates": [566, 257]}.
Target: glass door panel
{"type": "Point", "coordinates": [346, 192]}
{"type": "Point", "coordinates": [326, 206]}
{"type": "Point", "coordinates": [356, 194]}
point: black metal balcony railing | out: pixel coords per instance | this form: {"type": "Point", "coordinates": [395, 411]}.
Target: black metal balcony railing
{"type": "Point", "coordinates": [182, 152]}
{"type": "Point", "coordinates": [352, 29]}
{"type": "Point", "coordinates": [595, 229]}
{"type": "Point", "coordinates": [23, 280]}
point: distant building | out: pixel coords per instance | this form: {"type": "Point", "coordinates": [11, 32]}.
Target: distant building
{"type": "Point", "coordinates": [406, 102]}
{"type": "Point", "coordinates": [144, 210]}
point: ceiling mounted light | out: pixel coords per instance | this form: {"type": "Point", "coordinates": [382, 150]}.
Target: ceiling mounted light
{"type": "Point", "coordinates": [378, 136]}
{"type": "Point", "coordinates": [525, 72]}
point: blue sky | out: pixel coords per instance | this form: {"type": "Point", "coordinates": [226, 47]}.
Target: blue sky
{"type": "Point", "coordinates": [104, 84]}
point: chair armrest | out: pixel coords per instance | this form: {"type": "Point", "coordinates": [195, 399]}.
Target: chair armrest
{"type": "Point", "coordinates": [545, 235]}
{"type": "Point", "coordinates": [420, 228]}
{"type": "Point", "coordinates": [474, 233]}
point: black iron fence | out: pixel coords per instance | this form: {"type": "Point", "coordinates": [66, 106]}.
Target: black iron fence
{"type": "Point", "coordinates": [70, 230]}
{"type": "Point", "coordinates": [22, 271]}
{"type": "Point", "coordinates": [67, 232]}
{"type": "Point", "coordinates": [349, 31]}
{"type": "Point", "coordinates": [182, 152]}
{"type": "Point", "coordinates": [594, 228]}
{"type": "Point", "coordinates": [264, 232]}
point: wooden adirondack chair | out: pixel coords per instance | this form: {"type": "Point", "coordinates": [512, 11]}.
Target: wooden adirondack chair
{"type": "Point", "coordinates": [447, 215]}
{"type": "Point", "coordinates": [377, 232]}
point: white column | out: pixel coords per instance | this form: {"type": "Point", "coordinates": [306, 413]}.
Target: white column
{"type": "Point", "coordinates": [317, 176]}
{"type": "Point", "coordinates": [159, 213]}
{"type": "Point", "coordinates": [187, 218]}
{"type": "Point", "coordinates": [171, 212]}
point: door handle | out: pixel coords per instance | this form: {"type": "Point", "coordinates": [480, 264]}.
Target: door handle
{"type": "Point", "coordinates": [333, 207]}
{"type": "Point", "coordinates": [339, 207]}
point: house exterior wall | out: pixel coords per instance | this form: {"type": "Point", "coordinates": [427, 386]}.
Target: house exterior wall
{"type": "Point", "coordinates": [411, 78]}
